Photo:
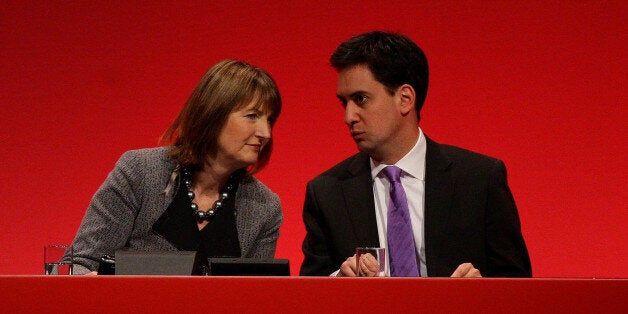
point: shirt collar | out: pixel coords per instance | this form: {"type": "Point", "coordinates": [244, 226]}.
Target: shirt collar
{"type": "Point", "coordinates": [413, 163]}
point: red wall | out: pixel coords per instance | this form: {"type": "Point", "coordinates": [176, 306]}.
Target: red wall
{"type": "Point", "coordinates": [538, 84]}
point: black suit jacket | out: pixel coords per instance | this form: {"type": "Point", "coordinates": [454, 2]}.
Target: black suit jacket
{"type": "Point", "coordinates": [470, 215]}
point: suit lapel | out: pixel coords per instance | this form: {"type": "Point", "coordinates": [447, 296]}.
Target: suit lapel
{"type": "Point", "coordinates": [357, 189]}
{"type": "Point", "coordinates": [243, 219]}
{"type": "Point", "coordinates": [247, 221]}
{"type": "Point", "coordinates": [439, 193]}
{"type": "Point", "coordinates": [438, 183]}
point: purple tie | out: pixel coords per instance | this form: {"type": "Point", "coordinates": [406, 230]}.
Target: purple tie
{"type": "Point", "coordinates": [401, 248]}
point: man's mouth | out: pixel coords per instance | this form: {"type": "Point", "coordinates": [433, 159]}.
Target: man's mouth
{"type": "Point", "coordinates": [357, 135]}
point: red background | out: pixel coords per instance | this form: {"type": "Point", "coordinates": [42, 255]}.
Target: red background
{"type": "Point", "coordinates": [538, 84]}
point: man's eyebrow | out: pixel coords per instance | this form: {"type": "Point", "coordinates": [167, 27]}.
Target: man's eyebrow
{"type": "Point", "coordinates": [357, 93]}
{"type": "Point", "coordinates": [352, 95]}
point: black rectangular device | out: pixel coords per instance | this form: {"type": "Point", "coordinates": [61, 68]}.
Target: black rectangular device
{"type": "Point", "coordinates": [161, 263]}
{"type": "Point", "coordinates": [248, 267]}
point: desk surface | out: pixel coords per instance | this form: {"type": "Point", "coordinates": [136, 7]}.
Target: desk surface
{"type": "Point", "coordinates": [123, 294]}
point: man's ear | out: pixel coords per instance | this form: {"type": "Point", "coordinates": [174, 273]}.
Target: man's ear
{"type": "Point", "coordinates": [408, 98]}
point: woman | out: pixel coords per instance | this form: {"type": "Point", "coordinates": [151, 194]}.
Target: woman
{"type": "Point", "coordinates": [198, 194]}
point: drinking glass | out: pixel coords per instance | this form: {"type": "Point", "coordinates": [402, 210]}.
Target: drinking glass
{"type": "Point", "coordinates": [370, 261]}
{"type": "Point", "coordinates": [58, 259]}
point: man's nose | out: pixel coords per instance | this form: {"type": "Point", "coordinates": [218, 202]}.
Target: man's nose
{"type": "Point", "coordinates": [351, 116]}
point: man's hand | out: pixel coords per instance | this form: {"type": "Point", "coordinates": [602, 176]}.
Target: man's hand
{"type": "Point", "coordinates": [368, 267]}
{"type": "Point", "coordinates": [466, 270]}
{"type": "Point", "coordinates": [347, 269]}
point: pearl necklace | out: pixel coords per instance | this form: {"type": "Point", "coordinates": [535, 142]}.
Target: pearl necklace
{"type": "Point", "coordinates": [224, 195]}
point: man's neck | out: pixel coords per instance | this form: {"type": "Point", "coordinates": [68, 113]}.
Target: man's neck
{"type": "Point", "coordinates": [398, 148]}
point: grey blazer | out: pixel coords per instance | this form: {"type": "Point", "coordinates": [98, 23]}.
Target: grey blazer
{"type": "Point", "coordinates": [138, 191]}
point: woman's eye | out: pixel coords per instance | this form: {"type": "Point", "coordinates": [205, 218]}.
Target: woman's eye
{"type": "Point", "coordinates": [252, 116]}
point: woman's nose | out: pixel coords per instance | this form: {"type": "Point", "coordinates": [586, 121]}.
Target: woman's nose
{"type": "Point", "coordinates": [263, 129]}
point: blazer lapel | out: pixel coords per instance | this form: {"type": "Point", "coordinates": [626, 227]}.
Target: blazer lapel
{"type": "Point", "coordinates": [439, 193]}
{"type": "Point", "coordinates": [246, 221]}
{"type": "Point", "coordinates": [357, 189]}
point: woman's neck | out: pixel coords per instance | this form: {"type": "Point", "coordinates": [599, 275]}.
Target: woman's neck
{"type": "Point", "coordinates": [211, 179]}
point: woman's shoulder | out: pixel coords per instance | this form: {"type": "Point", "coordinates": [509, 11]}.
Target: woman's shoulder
{"type": "Point", "coordinates": [154, 155]}
{"type": "Point", "coordinates": [252, 183]}
{"type": "Point", "coordinates": [253, 187]}
{"type": "Point", "coordinates": [257, 201]}
{"type": "Point", "coordinates": [157, 153]}
{"type": "Point", "coordinates": [146, 160]}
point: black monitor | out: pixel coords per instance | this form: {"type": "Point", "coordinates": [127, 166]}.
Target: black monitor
{"type": "Point", "coordinates": [171, 263]}
{"type": "Point", "coordinates": [248, 267]}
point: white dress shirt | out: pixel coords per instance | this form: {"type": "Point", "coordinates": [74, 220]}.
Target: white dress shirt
{"type": "Point", "coordinates": [412, 167]}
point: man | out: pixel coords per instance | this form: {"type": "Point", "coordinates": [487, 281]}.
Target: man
{"type": "Point", "coordinates": [451, 208]}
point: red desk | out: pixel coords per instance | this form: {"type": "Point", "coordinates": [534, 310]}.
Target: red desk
{"type": "Point", "coordinates": [92, 294]}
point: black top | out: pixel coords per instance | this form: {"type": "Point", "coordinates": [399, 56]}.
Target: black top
{"type": "Point", "coordinates": [219, 238]}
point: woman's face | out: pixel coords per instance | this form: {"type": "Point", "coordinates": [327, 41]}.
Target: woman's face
{"type": "Point", "coordinates": [243, 137]}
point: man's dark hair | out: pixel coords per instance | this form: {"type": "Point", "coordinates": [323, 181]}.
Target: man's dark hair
{"type": "Point", "coordinates": [393, 59]}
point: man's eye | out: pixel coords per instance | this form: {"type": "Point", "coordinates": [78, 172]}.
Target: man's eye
{"type": "Point", "coordinates": [360, 99]}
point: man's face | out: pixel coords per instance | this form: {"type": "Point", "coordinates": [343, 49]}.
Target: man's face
{"type": "Point", "coordinates": [371, 112]}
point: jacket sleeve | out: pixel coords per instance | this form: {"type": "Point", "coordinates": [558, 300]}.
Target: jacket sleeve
{"type": "Point", "coordinates": [317, 260]}
{"type": "Point", "coordinates": [507, 255]}
{"type": "Point", "coordinates": [108, 221]}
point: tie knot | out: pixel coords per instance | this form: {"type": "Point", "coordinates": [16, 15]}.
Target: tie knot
{"type": "Point", "coordinates": [393, 173]}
